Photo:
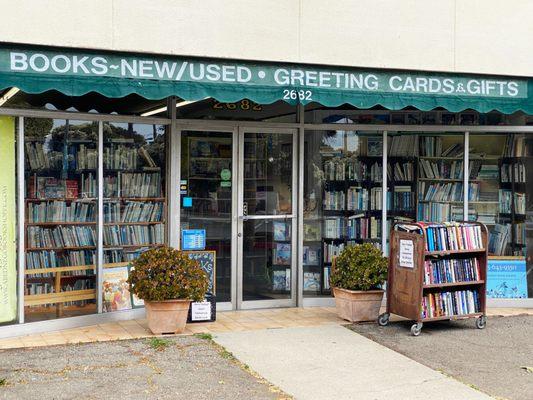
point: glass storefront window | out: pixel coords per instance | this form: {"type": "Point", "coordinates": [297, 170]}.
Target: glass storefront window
{"type": "Point", "coordinates": [342, 199]}
{"type": "Point", "coordinates": [506, 206]}
{"type": "Point", "coordinates": [61, 162]}
{"type": "Point", "coordinates": [206, 196]}
{"type": "Point", "coordinates": [440, 178]}
{"type": "Point", "coordinates": [134, 199]}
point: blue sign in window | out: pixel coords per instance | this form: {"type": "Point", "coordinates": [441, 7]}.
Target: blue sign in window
{"type": "Point", "coordinates": [193, 239]}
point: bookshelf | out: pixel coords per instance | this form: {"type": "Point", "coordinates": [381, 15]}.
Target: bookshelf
{"type": "Point", "coordinates": [60, 219]}
{"type": "Point", "coordinates": [134, 203]}
{"type": "Point", "coordinates": [437, 272]}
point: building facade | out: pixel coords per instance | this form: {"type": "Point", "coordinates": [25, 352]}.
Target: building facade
{"type": "Point", "coordinates": [278, 134]}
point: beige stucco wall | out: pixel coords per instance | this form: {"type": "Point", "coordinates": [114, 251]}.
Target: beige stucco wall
{"type": "Point", "coordinates": [478, 36]}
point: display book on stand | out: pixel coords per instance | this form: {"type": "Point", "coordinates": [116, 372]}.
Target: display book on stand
{"type": "Point", "coordinates": [437, 272]}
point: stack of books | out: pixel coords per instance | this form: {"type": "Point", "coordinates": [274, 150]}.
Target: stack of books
{"type": "Point", "coordinates": [355, 170]}
{"type": "Point", "coordinates": [357, 198]}
{"type": "Point", "coordinates": [401, 171]}
{"type": "Point", "coordinates": [134, 235]}
{"type": "Point", "coordinates": [451, 271]}
{"type": "Point", "coordinates": [453, 236]}
{"type": "Point", "coordinates": [61, 211]}
{"type": "Point", "coordinates": [331, 251]}
{"type": "Point", "coordinates": [447, 304]}
{"type": "Point", "coordinates": [430, 146]}
{"type": "Point", "coordinates": [360, 227]}
{"type": "Point", "coordinates": [334, 170]}
{"type": "Point", "coordinates": [334, 200]}
{"type": "Point", "coordinates": [61, 236]}
{"type": "Point", "coordinates": [334, 228]}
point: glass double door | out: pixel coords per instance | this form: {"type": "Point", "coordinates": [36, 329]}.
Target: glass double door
{"type": "Point", "coordinates": [266, 218]}
{"type": "Point", "coordinates": [240, 186]}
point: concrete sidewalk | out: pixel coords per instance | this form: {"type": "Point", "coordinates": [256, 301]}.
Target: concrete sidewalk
{"type": "Point", "coordinates": [332, 362]}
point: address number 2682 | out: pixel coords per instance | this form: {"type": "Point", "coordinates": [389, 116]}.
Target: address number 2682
{"type": "Point", "coordinates": [297, 94]}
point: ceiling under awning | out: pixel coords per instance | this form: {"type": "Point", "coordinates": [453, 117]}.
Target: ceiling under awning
{"type": "Point", "coordinates": [90, 102]}
{"type": "Point", "coordinates": [100, 77]}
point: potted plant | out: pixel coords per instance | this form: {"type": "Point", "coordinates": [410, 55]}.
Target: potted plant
{"type": "Point", "coordinates": [356, 276]}
{"type": "Point", "coordinates": [167, 280]}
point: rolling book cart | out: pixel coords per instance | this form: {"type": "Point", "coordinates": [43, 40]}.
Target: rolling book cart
{"type": "Point", "coordinates": [437, 272]}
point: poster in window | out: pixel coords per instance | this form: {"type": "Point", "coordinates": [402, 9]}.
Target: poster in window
{"type": "Point", "coordinates": [116, 293]}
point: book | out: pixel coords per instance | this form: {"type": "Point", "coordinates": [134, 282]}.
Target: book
{"type": "Point", "coordinates": [281, 280]}
{"type": "Point", "coordinates": [311, 282]}
{"type": "Point", "coordinates": [116, 294]}
{"type": "Point", "coordinates": [374, 146]}
{"type": "Point", "coordinates": [282, 254]}
{"type": "Point", "coordinates": [310, 256]}
{"type": "Point", "coordinates": [281, 230]}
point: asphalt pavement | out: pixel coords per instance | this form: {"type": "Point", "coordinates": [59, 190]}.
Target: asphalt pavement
{"type": "Point", "coordinates": [184, 367]}
{"type": "Point", "coordinates": [497, 360]}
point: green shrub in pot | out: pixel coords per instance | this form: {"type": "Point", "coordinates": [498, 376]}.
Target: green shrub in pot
{"type": "Point", "coordinates": [356, 277]}
{"type": "Point", "coordinates": [359, 267]}
{"type": "Point", "coordinates": [167, 280]}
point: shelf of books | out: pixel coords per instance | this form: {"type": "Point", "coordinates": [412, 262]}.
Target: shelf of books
{"type": "Point", "coordinates": [134, 198]}
{"type": "Point", "coordinates": [437, 271]}
{"type": "Point", "coordinates": [60, 218]}
{"type": "Point", "coordinates": [441, 178]}
{"type": "Point", "coordinates": [402, 175]}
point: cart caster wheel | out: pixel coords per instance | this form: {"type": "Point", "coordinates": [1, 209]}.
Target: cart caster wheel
{"type": "Point", "coordinates": [383, 319]}
{"type": "Point", "coordinates": [416, 329]}
{"type": "Point", "coordinates": [481, 322]}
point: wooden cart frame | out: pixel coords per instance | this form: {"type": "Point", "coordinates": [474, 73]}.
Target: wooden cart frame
{"type": "Point", "coordinates": [406, 287]}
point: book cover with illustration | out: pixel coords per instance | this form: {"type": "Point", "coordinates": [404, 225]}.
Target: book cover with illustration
{"type": "Point", "coordinates": [116, 294]}
{"type": "Point", "coordinates": [281, 230]}
{"type": "Point", "coordinates": [281, 280]}
{"type": "Point", "coordinates": [310, 256]}
{"type": "Point", "coordinates": [375, 146]}
{"type": "Point", "coordinates": [311, 281]}
{"type": "Point", "coordinates": [283, 254]}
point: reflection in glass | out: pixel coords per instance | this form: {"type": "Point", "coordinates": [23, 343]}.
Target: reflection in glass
{"type": "Point", "coordinates": [61, 164]}
{"type": "Point", "coordinates": [267, 173]}
{"type": "Point", "coordinates": [206, 188]}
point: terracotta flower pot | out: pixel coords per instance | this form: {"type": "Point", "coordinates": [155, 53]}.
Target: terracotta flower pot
{"type": "Point", "coordinates": [168, 316]}
{"type": "Point", "coordinates": [358, 305]}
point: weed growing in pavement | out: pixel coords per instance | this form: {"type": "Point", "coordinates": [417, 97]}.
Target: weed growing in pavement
{"type": "Point", "coordinates": [227, 355]}
{"type": "Point", "coordinates": [158, 343]}
{"type": "Point", "coordinates": [204, 336]}
{"type": "Point", "coordinates": [3, 381]}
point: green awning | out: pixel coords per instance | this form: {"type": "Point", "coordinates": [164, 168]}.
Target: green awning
{"type": "Point", "coordinates": [114, 75]}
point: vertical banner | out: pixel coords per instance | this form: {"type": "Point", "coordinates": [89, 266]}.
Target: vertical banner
{"type": "Point", "coordinates": [8, 246]}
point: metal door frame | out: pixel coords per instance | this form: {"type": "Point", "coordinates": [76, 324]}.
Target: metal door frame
{"type": "Point", "coordinates": [292, 301]}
